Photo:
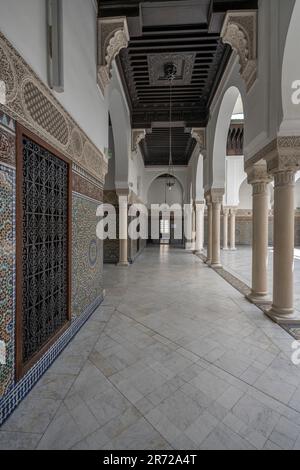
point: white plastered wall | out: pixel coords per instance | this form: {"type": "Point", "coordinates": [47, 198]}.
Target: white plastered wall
{"type": "Point", "coordinates": [24, 25]}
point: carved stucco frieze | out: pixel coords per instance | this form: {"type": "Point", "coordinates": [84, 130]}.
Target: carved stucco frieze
{"type": "Point", "coordinates": [112, 37]}
{"type": "Point", "coordinates": [30, 102]}
{"type": "Point", "coordinates": [199, 134]}
{"type": "Point", "coordinates": [281, 154]}
{"type": "Point", "coordinates": [240, 32]}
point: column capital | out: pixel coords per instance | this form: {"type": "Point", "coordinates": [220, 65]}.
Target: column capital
{"type": "Point", "coordinates": [225, 210]}
{"type": "Point", "coordinates": [207, 198]}
{"type": "Point", "coordinates": [258, 173]}
{"type": "Point", "coordinates": [113, 36]}
{"type": "Point", "coordinates": [216, 195]}
{"type": "Point", "coordinates": [258, 177]}
{"type": "Point", "coordinates": [233, 210]}
{"type": "Point", "coordinates": [240, 32]}
{"type": "Point", "coordinates": [284, 178]}
{"type": "Point", "coordinates": [200, 206]}
{"type": "Point", "coordinates": [122, 192]}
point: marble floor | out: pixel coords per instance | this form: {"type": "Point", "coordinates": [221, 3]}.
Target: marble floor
{"type": "Point", "coordinates": [239, 263]}
{"type": "Point", "coordinates": [175, 358]}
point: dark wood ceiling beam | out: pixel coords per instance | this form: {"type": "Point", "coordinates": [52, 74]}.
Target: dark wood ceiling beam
{"type": "Point", "coordinates": [161, 93]}
{"type": "Point", "coordinates": [180, 48]}
{"type": "Point", "coordinates": [142, 42]}
{"type": "Point", "coordinates": [155, 89]}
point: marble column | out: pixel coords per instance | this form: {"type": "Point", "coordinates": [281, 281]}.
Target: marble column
{"type": "Point", "coordinates": [216, 199]}
{"type": "Point", "coordinates": [188, 226]}
{"type": "Point", "coordinates": [225, 228]}
{"type": "Point", "coordinates": [199, 226]}
{"type": "Point", "coordinates": [123, 228]}
{"type": "Point", "coordinates": [259, 179]}
{"type": "Point", "coordinates": [193, 244]}
{"type": "Point", "coordinates": [209, 230]}
{"type": "Point", "coordinates": [282, 310]}
{"type": "Point", "coordinates": [232, 215]}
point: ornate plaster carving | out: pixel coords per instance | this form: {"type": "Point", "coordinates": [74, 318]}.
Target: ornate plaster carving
{"type": "Point", "coordinates": [30, 102]}
{"type": "Point", "coordinates": [184, 65]}
{"type": "Point", "coordinates": [199, 134]}
{"type": "Point", "coordinates": [112, 37]}
{"type": "Point", "coordinates": [240, 32]}
{"type": "Point", "coordinates": [259, 178]}
{"type": "Point", "coordinates": [284, 178]}
{"type": "Point", "coordinates": [281, 154]}
{"type": "Point", "coordinates": [216, 195]}
{"type": "Point", "coordinates": [137, 135]}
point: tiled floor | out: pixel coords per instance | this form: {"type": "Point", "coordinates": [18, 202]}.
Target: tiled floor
{"type": "Point", "coordinates": [239, 263]}
{"type": "Point", "coordinates": [174, 358]}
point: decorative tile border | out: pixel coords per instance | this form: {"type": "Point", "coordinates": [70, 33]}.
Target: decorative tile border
{"type": "Point", "coordinates": [87, 258]}
{"type": "Point", "coordinates": [7, 274]}
{"type": "Point", "coordinates": [245, 290]}
{"type": "Point", "coordinates": [18, 393]}
{"type": "Point", "coordinates": [85, 187]}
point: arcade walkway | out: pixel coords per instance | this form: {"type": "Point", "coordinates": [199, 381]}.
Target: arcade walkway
{"type": "Point", "coordinates": [239, 263]}
{"type": "Point", "coordinates": [174, 358]}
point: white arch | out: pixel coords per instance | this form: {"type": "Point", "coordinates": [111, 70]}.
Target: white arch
{"type": "Point", "coordinates": [291, 71]}
{"type": "Point", "coordinates": [161, 173]}
{"type": "Point", "coordinates": [157, 178]}
{"type": "Point", "coordinates": [221, 133]}
{"type": "Point", "coordinates": [122, 137]}
{"type": "Point", "coordinates": [199, 186]}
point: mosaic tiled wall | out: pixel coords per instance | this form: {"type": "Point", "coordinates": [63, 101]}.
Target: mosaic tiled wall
{"type": "Point", "coordinates": [111, 247]}
{"type": "Point", "coordinates": [87, 259]}
{"type": "Point", "coordinates": [7, 250]}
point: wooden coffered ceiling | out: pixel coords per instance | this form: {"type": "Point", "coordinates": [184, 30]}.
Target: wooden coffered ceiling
{"type": "Point", "coordinates": [187, 33]}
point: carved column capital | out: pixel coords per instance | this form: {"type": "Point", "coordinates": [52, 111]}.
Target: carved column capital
{"type": "Point", "coordinates": [284, 178]}
{"type": "Point", "coordinates": [240, 32]}
{"type": "Point", "coordinates": [112, 37]}
{"type": "Point", "coordinates": [199, 134]}
{"type": "Point", "coordinates": [137, 135]}
{"type": "Point", "coordinates": [207, 198]}
{"type": "Point", "coordinates": [216, 195]}
{"type": "Point", "coordinates": [259, 178]}
{"type": "Point", "coordinates": [226, 211]}
{"type": "Point", "coordinates": [233, 211]}
{"type": "Point", "coordinates": [200, 206]}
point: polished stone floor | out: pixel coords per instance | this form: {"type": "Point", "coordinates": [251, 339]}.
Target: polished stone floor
{"type": "Point", "coordinates": [175, 358]}
{"type": "Point", "coordinates": [239, 263]}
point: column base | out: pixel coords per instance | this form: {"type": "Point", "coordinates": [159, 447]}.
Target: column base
{"type": "Point", "coordinates": [262, 299]}
{"type": "Point", "coordinates": [216, 265]}
{"type": "Point", "coordinates": [123, 263]}
{"type": "Point", "coordinates": [282, 318]}
{"type": "Point", "coordinates": [198, 252]}
{"type": "Point", "coordinates": [232, 249]}
{"type": "Point", "coordinates": [225, 249]}
{"type": "Point", "coordinates": [208, 262]}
